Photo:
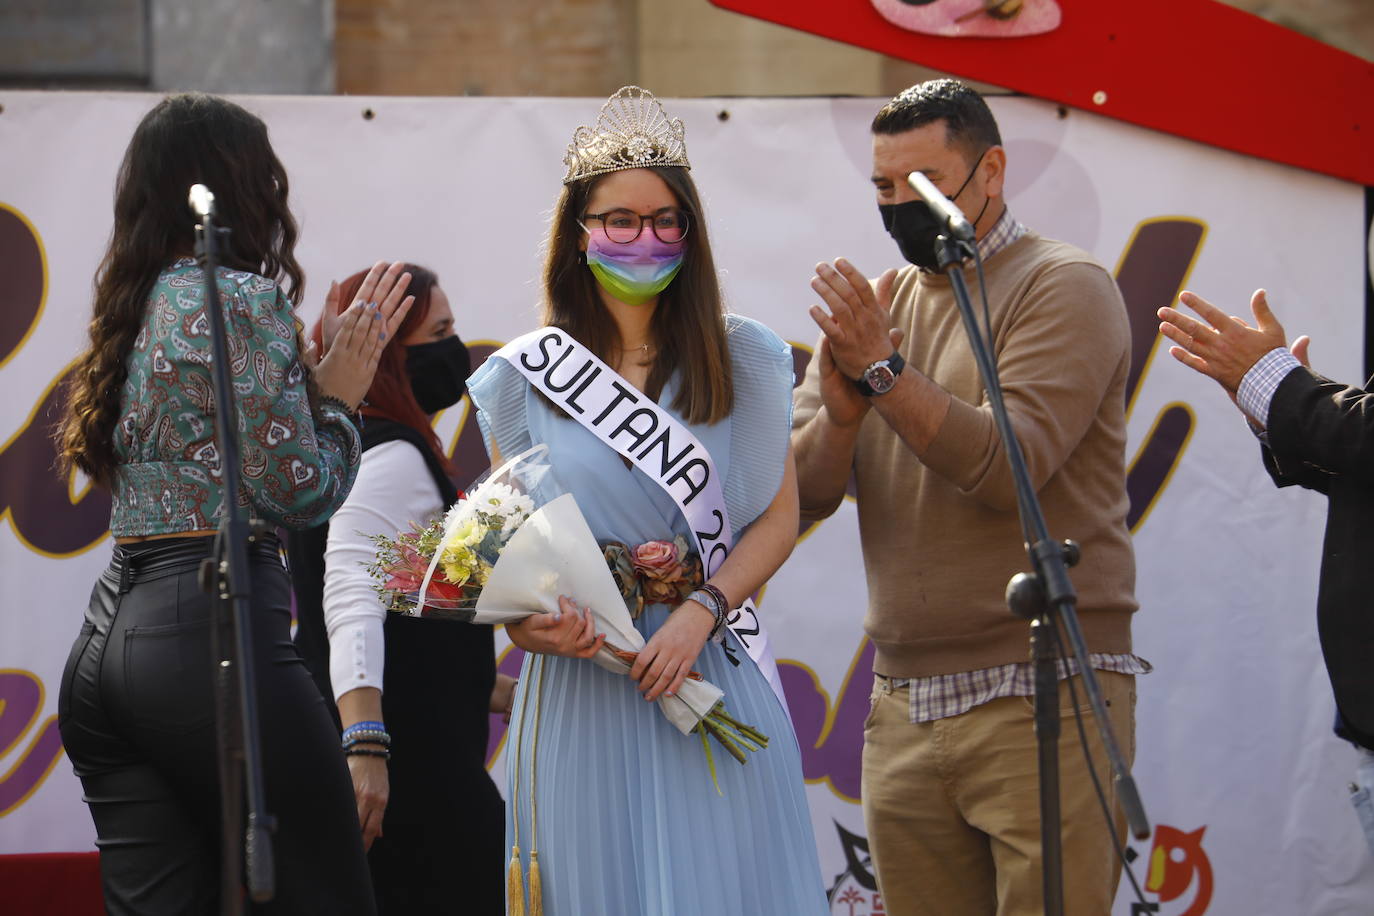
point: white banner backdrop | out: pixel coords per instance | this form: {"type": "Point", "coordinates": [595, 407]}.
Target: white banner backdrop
{"type": "Point", "coordinates": [1244, 782]}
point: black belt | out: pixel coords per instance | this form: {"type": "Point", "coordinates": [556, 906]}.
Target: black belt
{"type": "Point", "coordinates": [145, 561]}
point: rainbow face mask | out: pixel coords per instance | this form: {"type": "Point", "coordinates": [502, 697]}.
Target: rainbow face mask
{"type": "Point", "coordinates": [634, 272]}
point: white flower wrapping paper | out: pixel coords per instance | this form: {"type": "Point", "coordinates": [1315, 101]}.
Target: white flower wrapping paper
{"type": "Point", "coordinates": [553, 553]}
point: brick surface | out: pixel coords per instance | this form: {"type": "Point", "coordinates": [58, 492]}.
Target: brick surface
{"type": "Point", "coordinates": [484, 47]}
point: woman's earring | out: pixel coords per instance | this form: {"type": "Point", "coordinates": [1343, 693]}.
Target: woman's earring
{"type": "Point", "coordinates": [582, 258]}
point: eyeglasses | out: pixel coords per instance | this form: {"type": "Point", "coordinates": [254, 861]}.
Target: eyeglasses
{"type": "Point", "coordinates": [624, 226]}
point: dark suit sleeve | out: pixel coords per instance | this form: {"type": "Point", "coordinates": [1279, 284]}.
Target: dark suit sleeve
{"type": "Point", "coordinates": [1290, 471]}
{"type": "Point", "coordinates": [1319, 429]}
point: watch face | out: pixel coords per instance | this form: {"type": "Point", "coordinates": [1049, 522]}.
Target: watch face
{"type": "Point", "coordinates": [880, 378]}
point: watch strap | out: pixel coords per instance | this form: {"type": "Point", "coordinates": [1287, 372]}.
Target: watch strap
{"type": "Point", "coordinates": [895, 363]}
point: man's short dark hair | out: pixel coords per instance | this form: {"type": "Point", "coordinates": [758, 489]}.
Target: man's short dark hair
{"type": "Point", "coordinates": [970, 124]}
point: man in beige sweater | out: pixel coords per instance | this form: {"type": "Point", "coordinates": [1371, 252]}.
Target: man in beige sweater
{"type": "Point", "coordinates": [950, 789]}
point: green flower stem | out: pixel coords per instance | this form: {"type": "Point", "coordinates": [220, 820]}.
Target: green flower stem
{"type": "Point", "coordinates": [718, 732]}
{"type": "Point", "coordinates": [710, 758]}
{"type": "Point", "coordinates": [749, 731]}
{"type": "Point", "coordinates": [749, 744]}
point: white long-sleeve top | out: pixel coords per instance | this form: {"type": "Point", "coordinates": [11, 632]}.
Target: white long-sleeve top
{"type": "Point", "coordinates": [394, 488]}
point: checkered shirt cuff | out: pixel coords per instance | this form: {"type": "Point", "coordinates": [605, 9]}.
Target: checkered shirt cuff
{"type": "Point", "coordinates": [1259, 384]}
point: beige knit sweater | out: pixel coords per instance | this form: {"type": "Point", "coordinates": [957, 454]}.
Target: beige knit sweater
{"type": "Point", "coordinates": [940, 533]}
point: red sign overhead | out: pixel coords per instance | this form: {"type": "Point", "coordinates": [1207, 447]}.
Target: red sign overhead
{"type": "Point", "coordinates": [1194, 68]}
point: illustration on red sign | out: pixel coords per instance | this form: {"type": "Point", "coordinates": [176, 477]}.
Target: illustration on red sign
{"type": "Point", "coordinates": [972, 18]}
{"type": "Point", "coordinates": [1178, 862]}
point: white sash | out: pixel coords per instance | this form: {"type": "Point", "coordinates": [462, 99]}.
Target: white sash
{"type": "Point", "coordinates": [630, 423]}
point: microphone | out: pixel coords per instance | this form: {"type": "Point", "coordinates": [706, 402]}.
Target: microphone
{"type": "Point", "coordinates": [202, 201]}
{"type": "Point", "coordinates": [956, 224]}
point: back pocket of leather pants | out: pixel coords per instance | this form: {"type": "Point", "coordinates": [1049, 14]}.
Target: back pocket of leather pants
{"type": "Point", "coordinates": [168, 676]}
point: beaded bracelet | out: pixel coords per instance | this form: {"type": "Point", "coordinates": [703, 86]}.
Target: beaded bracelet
{"type": "Point", "coordinates": [366, 733]}
{"type": "Point", "coordinates": [367, 752]}
{"type": "Point", "coordinates": [328, 400]}
{"type": "Point", "coordinates": [368, 738]}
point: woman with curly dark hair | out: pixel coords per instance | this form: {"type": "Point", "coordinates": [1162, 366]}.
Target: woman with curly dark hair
{"type": "Point", "coordinates": [136, 705]}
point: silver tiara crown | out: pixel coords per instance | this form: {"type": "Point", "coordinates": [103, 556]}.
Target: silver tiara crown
{"type": "Point", "coordinates": [632, 132]}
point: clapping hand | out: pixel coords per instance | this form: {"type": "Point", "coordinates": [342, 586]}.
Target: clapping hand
{"type": "Point", "coordinates": [354, 340]}
{"type": "Point", "coordinates": [855, 334]}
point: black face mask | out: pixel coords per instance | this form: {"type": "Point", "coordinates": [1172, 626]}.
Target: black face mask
{"type": "Point", "coordinates": [914, 227]}
{"type": "Point", "coordinates": [438, 372]}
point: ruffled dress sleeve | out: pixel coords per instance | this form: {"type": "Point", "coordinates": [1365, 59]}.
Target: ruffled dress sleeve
{"type": "Point", "coordinates": [761, 422]}
{"type": "Point", "coordinates": [498, 391]}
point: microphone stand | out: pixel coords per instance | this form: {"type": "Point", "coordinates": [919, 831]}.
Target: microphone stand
{"type": "Point", "coordinates": [225, 575]}
{"type": "Point", "coordinates": [1043, 596]}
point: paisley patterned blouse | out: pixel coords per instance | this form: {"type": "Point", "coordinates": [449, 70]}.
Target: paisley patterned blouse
{"type": "Point", "coordinates": [297, 466]}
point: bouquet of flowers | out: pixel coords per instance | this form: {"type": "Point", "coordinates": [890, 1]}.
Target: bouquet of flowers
{"type": "Point", "coordinates": [514, 544]}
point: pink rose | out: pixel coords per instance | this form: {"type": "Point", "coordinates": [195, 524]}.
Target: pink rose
{"type": "Point", "coordinates": [656, 559]}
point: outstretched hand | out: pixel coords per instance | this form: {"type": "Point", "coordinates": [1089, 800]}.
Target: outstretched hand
{"type": "Point", "coordinates": [1225, 347]}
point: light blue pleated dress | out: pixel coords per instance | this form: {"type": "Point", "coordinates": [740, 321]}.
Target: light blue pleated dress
{"type": "Point", "coordinates": [629, 821]}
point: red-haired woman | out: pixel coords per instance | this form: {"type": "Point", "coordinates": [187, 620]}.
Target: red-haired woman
{"type": "Point", "coordinates": [413, 695]}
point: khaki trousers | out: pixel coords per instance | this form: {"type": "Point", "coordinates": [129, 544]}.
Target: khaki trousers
{"type": "Point", "coordinates": [952, 806]}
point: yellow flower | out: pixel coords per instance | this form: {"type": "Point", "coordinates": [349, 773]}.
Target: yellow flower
{"type": "Point", "coordinates": [458, 562]}
{"type": "Point", "coordinates": [468, 532]}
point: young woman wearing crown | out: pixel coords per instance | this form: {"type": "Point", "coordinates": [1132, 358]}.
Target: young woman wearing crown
{"type": "Point", "coordinates": [615, 810]}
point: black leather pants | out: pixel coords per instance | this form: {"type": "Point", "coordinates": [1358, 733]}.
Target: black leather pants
{"type": "Point", "coordinates": [136, 713]}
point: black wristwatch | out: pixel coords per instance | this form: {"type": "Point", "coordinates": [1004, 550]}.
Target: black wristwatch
{"type": "Point", "coordinates": [880, 377]}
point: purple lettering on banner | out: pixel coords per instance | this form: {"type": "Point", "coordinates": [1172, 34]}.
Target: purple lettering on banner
{"type": "Point", "coordinates": [831, 735]}
{"type": "Point", "coordinates": [46, 514]}
{"type": "Point", "coordinates": [21, 700]}
{"type": "Point", "coordinates": [21, 264]}
{"type": "Point", "coordinates": [1153, 271]}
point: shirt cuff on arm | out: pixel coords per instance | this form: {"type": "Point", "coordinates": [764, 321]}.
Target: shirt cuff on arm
{"type": "Point", "coordinates": [356, 656]}
{"type": "Point", "coordinates": [1262, 380]}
